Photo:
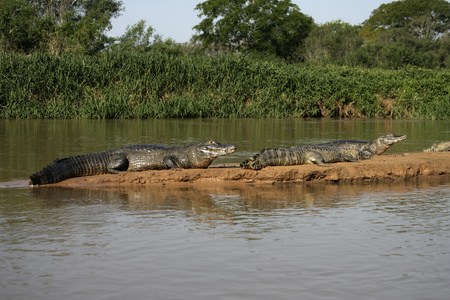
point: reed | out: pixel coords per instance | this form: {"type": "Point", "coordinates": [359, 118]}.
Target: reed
{"type": "Point", "coordinates": [159, 85]}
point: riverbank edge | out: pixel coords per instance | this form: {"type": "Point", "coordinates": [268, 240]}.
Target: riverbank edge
{"type": "Point", "coordinates": [384, 168]}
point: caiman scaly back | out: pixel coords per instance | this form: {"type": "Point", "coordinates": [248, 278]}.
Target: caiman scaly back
{"type": "Point", "coordinates": [320, 155]}
{"type": "Point", "coordinates": [376, 146]}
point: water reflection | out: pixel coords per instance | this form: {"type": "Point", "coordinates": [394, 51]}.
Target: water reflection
{"type": "Point", "coordinates": [226, 201]}
{"type": "Point", "coordinates": [282, 240]}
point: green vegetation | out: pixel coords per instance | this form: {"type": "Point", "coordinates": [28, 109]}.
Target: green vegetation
{"type": "Point", "coordinates": [270, 26]}
{"type": "Point", "coordinates": [261, 58]}
{"type": "Point", "coordinates": [399, 34]}
{"type": "Point", "coordinates": [56, 26]}
{"type": "Point", "coordinates": [159, 85]}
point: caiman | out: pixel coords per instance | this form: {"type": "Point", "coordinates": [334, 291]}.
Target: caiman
{"type": "Point", "coordinates": [133, 158]}
{"type": "Point", "coordinates": [438, 147]}
{"type": "Point", "coordinates": [320, 155]}
{"type": "Point", "coordinates": [375, 147]}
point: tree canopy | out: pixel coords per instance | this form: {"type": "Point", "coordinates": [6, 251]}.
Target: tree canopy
{"type": "Point", "coordinates": [272, 26]}
{"type": "Point", "coordinates": [332, 41]}
{"type": "Point", "coordinates": [397, 34]}
{"type": "Point", "coordinates": [56, 25]}
{"type": "Point", "coordinates": [422, 18]}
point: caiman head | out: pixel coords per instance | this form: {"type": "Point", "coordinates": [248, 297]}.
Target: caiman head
{"type": "Point", "coordinates": [206, 152]}
{"type": "Point", "coordinates": [384, 142]}
{"type": "Point", "coordinates": [438, 147]}
{"type": "Point", "coordinates": [391, 138]}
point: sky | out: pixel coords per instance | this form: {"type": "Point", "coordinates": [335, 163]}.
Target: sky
{"type": "Point", "coordinates": [175, 18]}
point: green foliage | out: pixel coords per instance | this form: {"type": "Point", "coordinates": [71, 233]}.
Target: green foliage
{"type": "Point", "coordinates": [331, 42]}
{"type": "Point", "coordinates": [21, 29]}
{"type": "Point", "coordinates": [403, 33]}
{"type": "Point", "coordinates": [404, 52]}
{"type": "Point", "coordinates": [421, 18]}
{"type": "Point", "coordinates": [56, 26]}
{"type": "Point", "coordinates": [136, 38]}
{"type": "Point", "coordinates": [159, 85]}
{"type": "Point", "coordinates": [88, 23]}
{"type": "Point", "coordinates": [139, 39]}
{"type": "Point", "coordinates": [407, 33]}
{"type": "Point", "coordinates": [272, 26]}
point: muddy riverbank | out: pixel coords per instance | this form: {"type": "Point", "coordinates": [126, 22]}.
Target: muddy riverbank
{"type": "Point", "coordinates": [383, 168]}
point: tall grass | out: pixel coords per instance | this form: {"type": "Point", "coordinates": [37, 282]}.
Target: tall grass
{"type": "Point", "coordinates": [158, 85]}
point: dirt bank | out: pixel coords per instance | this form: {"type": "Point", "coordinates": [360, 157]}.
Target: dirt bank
{"type": "Point", "coordinates": [383, 168]}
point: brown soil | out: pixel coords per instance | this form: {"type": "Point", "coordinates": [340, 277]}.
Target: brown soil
{"type": "Point", "coordinates": [383, 168]}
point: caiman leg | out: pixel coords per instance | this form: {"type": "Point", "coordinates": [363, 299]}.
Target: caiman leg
{"type": "Point", "coordinates": [172, 162]}
{"type": "Point", "coordinates": [315, 158]}
{"type": "Point", "coordinates": [118, 163]}
{"type": "Point", "coordinates": [353, 159]}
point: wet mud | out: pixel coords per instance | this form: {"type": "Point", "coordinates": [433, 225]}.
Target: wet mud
{"type": "Point", "coordinates": [382, 168]}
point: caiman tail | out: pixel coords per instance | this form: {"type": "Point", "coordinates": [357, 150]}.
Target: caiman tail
{"type": "Point", "coordinates": [275, 157]}
{"type": "Point", "coordinates": [61, 169]}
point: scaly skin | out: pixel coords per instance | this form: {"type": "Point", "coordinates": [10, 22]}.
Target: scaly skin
{"type": "Point", "coordinates": [320, 155]}
{"type": "Point", "coordinates": [375, 147]}
{"type": "Point", "coordinates": [133, 158]}
{"type": "Point", "coordinates": [438, 147]}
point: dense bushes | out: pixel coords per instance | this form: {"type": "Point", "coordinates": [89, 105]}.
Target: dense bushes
{"type": "Point", "coordinates": [158, 85]}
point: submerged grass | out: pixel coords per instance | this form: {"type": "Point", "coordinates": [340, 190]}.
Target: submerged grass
{"type": "Point", "coordinates": [159, 85]}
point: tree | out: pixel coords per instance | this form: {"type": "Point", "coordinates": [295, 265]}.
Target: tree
{"type": "Point", "coordinates": [56, 25]}
{"type": "Point", "coordinates": [273, 26]}
{"type": "Point", "coordinates": [20, 27]}
{"type": "Point", "coordinates": [429, 19]}
{"type": "Point", "coordinates": [136, 38]}
{"type": "Point", "coordinates": [84, 23]}
{"type": "Point", "coordinates": [407, 32]}
{"type": "Point", "coordinates": [332, 41]}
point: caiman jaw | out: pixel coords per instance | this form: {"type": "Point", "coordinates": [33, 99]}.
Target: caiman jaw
{"type": "Point", "coordinates": [206, 163]}
{"type": "Point", "coordinates": [212, 150]}
{"type": "Point", "coordinates": [392, 138]}
{"type": "Point", "coordinates": [215, 149]}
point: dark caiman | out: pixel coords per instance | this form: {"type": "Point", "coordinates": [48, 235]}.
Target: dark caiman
{"type": "Point", "coordinates": [438, 147]}
{"type": "Point", "coordinates": [133, 158]}
{"type": "Point", "coordinates": [320, 155]}
{"type": "Point", "coordinates": [375, 147]}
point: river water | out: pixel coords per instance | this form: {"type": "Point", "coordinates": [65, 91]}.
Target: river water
{"type": "Point", "coordinates": [286, 241]}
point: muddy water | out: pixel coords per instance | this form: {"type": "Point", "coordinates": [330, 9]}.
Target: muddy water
{"type": "Point", "coordinates": [290, 241]}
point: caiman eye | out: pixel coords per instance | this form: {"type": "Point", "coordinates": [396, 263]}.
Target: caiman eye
{"type": "Point", "coordinates": [212, 142]}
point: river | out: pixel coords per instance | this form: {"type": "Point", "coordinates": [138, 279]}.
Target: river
{"type": "Point", "coordinates": [283, 241]}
